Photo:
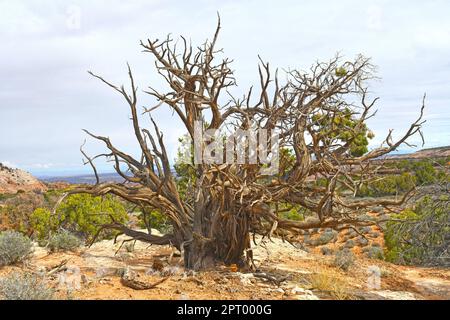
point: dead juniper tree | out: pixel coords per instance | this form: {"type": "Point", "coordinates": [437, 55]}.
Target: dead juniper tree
{"type": "Point", "coordinates": [230, 202]}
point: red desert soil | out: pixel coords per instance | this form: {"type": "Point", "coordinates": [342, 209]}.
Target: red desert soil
{"type": "Point", "coordinates": [285, 272]}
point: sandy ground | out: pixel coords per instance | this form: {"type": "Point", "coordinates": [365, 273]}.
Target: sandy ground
{"type": "Point", "coordinates": [284, 272]}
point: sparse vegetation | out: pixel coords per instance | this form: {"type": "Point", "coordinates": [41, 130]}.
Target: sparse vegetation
{"type": "Point", "coordinates": [424, 171]}
{"type": "Point", "coordinates": [155, 219]}
{"type": "Point", "coordinates": [14, 247]}
{"type": "Point", "coordinates": [344, 259]}
{"type": "Point", "coordinates": [25, 287]}
{"type": "Point", "coordinates": [330, 283]}
{"type": "Point", "coordinates": [414, 173]}
{"type": "Point", "coordinates": [421, 235]}
{"type": "Point", "coordinates": [63, 240]}
{"type": "Point", "coordinates": [374, 252]}
{"type": "Point", "coordinates": [388, 185]}
{"type": "Point", "coordinates": [81, 214]}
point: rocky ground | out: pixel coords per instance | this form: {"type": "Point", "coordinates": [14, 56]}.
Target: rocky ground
{"type": "Point", "coordinates": [16, 180]}
{"type": "Point", "coordinates": [367, 241]}
{"type": "Point", "coordinates": [284, 272]}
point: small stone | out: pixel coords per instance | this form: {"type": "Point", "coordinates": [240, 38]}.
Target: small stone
{"type": "Point", "coordinates": [298, 293]}
{"type": "Point", "coordinates": [245, 278]}
{"type": "Point", "coordinates": [298, 290]}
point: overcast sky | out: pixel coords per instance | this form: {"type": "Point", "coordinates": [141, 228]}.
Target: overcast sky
{"type": "Point", "coordinates": [47, 97]}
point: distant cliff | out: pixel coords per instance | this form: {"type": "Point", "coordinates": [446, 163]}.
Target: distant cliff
{"type": "Point", "coordinates": [15, 180]}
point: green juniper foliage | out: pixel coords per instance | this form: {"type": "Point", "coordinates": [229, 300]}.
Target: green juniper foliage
{"type": "Point", "coordinates": [81, 214]}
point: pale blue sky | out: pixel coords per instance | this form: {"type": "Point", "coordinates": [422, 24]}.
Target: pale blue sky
{"type": "Point", "coordinates": [46, 96]}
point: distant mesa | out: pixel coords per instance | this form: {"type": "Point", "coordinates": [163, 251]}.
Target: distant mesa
{"type": "Point", "coordinates": [15, 180]}
{"type": "Point", "coordinates": [439, 152]}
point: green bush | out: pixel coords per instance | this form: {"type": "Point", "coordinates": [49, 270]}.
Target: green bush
{"type": "Point", "coordinates": [292, 214]}
{"type": "Point", "coordinates": [14, 247]}
{"type": "Point", "coordinates": [417, 173]}
{"type": "Point", "coordinates": [43, 223]}
{"type": "Point", "coordinates": [63, 240]}
{"type": "Point", "coordinates": [420, 235]}
{"type": "Point", "coordinates": [156, 220]}
{"type": "Point", "coordinates": [80, 214]}
{"type": "Point", "coordinates": [423, 170]}
{"type": "Point", "coordinates": [25, 287]}
{"type": "Point", "coordinates": [388, 185]}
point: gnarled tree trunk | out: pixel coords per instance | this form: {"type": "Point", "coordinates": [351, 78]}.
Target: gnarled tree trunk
{"type": "Point", "coordinates": [227, 202]}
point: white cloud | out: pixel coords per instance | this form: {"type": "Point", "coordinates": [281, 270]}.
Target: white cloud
{"type": "Point", "coordinates": [17, 18]}
{"type": "Point", "coordinates": [374, 18]}
{"type": "Point", "coordinates": [46, 96]}
{"type": "Point", "coordinates": [41, 165]}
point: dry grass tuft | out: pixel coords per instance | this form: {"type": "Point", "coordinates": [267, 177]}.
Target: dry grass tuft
{"type": "Point", "coordinates": [332, 284]}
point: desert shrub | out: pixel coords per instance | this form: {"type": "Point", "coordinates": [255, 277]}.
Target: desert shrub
{"type": "Point", "coordinates": [423, 170]}
{"type": "Point", "coordinates": [52, 196]}
{"type": "Point", "coordinates": [81, 214]}
{"type": "Point", "coordinates": [326, 237]}
{"type": "Point", "coordinates": [5, 196]}
{"type": "Point", "coordinates": [326, 251]}
{"type": "Point", "coordinates": [155, 219]}
{"type": "Point", "coordinates": [374, 252]}
{"type": "Point", "coordinates": [63, 240]}
{"type": "Point", "coordinates": [331, 284]}
{"type": "Point", "coordinates": [388, 185]}
{"type": "Point", "coordinates": [14, 247]}
{"type": "Point", "coordinates": [25, 287]}
{"type": "Point", "coordinates": [421, 235]}
{"type": "Point", "coordinates": [15, 214]}
{"type": "Point", "coordinates": [296, 212]}
{"type": "Point", "coordinates": [293, 214]}
{"type": "Point", "coordinates": [344, 259]}
{"type": "Point", "coordinates": [43, 223]}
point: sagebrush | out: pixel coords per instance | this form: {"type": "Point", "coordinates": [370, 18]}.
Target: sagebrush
{"type": "Point", "coordinates": [14, 247]}
{"type": "Point", "coordinates": [63, 240]}
{"type": "Point", "coordinates": [25, 287]}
